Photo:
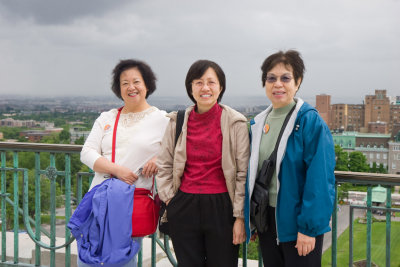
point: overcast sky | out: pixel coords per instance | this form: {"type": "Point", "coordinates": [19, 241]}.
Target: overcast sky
{"type": "Point", "coordinates": [58, 48]}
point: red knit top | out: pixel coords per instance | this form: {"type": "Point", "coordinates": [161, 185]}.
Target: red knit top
{"type": "Point", "coordinates": [203, 170]}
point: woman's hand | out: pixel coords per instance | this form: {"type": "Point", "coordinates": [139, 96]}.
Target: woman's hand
{"type": "Point", "coordinates": [305, 244]}
{"type": "Point", "coordinates": [126, 175]}
{"type": "Point", "coordinates": [150, 168]}
{"type": "Point", "coordinates": [239, 233]}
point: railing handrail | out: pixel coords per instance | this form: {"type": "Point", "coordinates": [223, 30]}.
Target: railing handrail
{"type": "Point", "coordinates": [341, 176]}
{"type": "Point", "coordinates": [42, 147]}
{"type": "Point", "coordinates": [367, 178]}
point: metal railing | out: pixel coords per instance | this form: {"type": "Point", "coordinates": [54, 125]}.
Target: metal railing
{"type": "Point", "coordinates": [10, 197]}
{"type": "Point", "coordinates": [369, 180]}
{"type": "Point", "coordinates": [16, 179]}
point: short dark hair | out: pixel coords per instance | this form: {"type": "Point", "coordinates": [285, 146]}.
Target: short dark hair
{"type": "Point", "coordinates": [197, 70]}
{"type": "Point", "coordinates": [148, 75]}
{"type": "Point", "coordinates": [290, 58]}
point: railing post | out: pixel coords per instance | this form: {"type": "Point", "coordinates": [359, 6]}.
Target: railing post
{"type": "Point", "coordinates": [3, 207]}
{"type": "Point", "coordinates": [388, 223]}
{"type": "Point", "coordinates": [334, 229]}
{"type": "Point", "coordinates": [67, 208]}
{"type": "Point", "coordinates": [244, 254]}
{"type": "Point", "coordinates": [16, 206]}
{"type": "Point", "coordinates": [369, 224]}
{"type": "Point", "coordinates": [351, 228]}
{"type": "Point", "coordinates": [38, 220]}
{"type": "Point", "coordinates": [153, 250]}
{"type": "Point", "coordinates": [52, 175]}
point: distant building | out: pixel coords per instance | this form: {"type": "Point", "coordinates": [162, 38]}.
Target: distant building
{"type": "Point", "coordinates": [394, 158]}
{"type": "Point", "coordinates": [77, 132]}
{"type": "Point", "coordinates": [34, 135]}
{"type": "Point", "coordinates": [378, 127]}
{"type": "Point", "coordinates": [378, 114]}
{"type": "Point", "coordinates": [377, 148]}
{"type": "Point", "coordinates": [323, 105]}
{"type": "Point", "coordinates": [10, 122]}
{"type": "Point", "coordinates": [37, 135]}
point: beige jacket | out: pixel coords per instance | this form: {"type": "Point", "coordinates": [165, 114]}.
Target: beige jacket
{"type": "Point", "coordinates": [235, 157]}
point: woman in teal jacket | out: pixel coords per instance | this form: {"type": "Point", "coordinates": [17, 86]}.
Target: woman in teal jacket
{"type": "Point", "coordinates": [301, 193]}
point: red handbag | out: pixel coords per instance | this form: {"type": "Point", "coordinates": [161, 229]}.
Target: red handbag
{"type": "Point", "coordinates": [145, 212]}
{"type": "Point", "coordinates": [146, 206]}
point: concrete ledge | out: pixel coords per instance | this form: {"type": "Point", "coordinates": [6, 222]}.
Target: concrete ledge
{"type": "Point", "coordinates": [26, 250]}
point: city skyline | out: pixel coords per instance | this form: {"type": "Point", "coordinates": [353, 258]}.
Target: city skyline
{"type": "Point", "coordinates": [157, 100]}
{"type": "Point", "coordinates": [53, 48]}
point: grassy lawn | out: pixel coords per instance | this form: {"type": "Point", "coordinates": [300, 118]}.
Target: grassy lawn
{"type": "Point", "coordinates": [378, 245]}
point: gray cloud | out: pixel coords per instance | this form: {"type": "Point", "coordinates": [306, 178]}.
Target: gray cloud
{"type": "Point", "coordinates": [350, 47]}
{"type": "Point", "coordinates": [56, 12]}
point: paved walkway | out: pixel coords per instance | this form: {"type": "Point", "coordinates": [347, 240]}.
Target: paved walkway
{"type": "Point", "coordinates": [26, 252]}
{"type": "Point", "coordinates": [342, 223]}
{"type": "Point", "coordinates": [26, 245]}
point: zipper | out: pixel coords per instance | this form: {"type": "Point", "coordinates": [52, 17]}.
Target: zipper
{"type": "Point", "coordinates": [276, 208]}
{"type": "Point", "coordinates": [277, 197]}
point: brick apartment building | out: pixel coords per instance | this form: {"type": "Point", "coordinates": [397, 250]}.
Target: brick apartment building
{"type": "Point", "coordinates": [372, 128]}
{"type": "Point", "coordinates": [378, 114]}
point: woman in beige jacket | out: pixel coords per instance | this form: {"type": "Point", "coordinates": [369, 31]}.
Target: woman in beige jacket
{"type": "Point", "coordinates": [202, 179]}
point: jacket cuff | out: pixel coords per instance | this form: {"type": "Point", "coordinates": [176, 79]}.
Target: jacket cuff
{"type": "Point", "coordinates": [238, 214]}
{"type": "Point", "coordinates": [165, 196]}
{"type": "Point", "coordinates": [307, 232]}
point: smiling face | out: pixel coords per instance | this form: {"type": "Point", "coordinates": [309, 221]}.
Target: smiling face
{"type": "Point", "coordinates": [133, 90]}
{"type": "Point", "coordinates": [280, 85]}
{"type": "Point", "coordinates": [206, 90]}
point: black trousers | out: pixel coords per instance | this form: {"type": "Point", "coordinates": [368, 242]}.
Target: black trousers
{"type": "Point", "coordinates": [201, 229]}
{"type": "Point", "coordinates": [285, 254]}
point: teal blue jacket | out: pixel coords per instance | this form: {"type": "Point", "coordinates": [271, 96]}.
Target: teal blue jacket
{"type": "Point", "coordinates": [305, 170]}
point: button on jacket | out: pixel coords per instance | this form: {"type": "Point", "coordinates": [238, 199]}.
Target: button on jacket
{"type": "Point", "coordinates": [102, 225]}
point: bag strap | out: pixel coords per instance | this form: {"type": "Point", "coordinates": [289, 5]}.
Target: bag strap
{"type": "Point", "coordinates": [114, 141]}
{"type": "Point", "coordinates": [275, 152]}
{"type": "Point", "coordinates": [179, 123]}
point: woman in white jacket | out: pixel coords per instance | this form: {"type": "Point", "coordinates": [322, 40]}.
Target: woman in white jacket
{"type": "Point", "coordinates": [140, 130]}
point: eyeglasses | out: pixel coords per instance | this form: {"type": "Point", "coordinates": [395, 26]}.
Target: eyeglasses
{"type": "Point", "coordinates": [201, 83]}
{"type": "Point", "coordinates": [285, 78]}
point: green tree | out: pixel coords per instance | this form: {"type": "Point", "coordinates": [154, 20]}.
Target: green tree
{"type": "Point", "coordinates": [382, 169]}
{"type": "Point", "coordinates": [11, 132]}
{"type": "Point", "coordinates": [358, 162]}
{"type": "Point", "coordinates": [374, 168]}
{"type": "Point", "coordinates": [80, 141]}
{"type": "Point", "coordinates": [64, 137]}
{"type": "Point", "coordinates": [342, 159]}
{"type": "Point", "coordinates": [51, 139]}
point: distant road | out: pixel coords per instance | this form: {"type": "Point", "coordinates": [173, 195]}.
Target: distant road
{"type": "Point", "coordinates": [342, 223]}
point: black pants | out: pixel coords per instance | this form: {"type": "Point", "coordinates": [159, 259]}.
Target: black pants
{"type": "Point", "coordinates": [285, 254]}
{"type": "Point", "coordinates": [201, 228]}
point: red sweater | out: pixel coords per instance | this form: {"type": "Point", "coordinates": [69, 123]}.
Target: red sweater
{"type": "Point", "coordinates": [203, 170]}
